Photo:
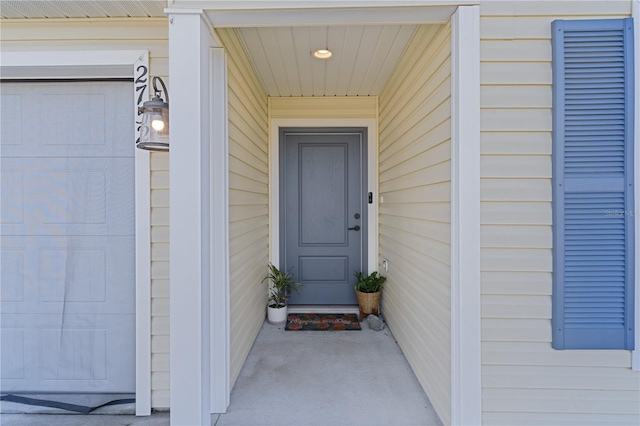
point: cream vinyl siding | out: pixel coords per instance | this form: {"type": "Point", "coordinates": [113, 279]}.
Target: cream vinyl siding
{"type": "Point", "coordinates": [415, 204]}
{"type": "Point", "coordinates": [324, 107]}
{"type": "Point", "coordinates": [248, 200]}
{"type": "Point", "coordinates": [524, 380]}
{"type": "Point", "coordinates": [121, 34]}
{"type": "Point", "coordinates": [160, 279]}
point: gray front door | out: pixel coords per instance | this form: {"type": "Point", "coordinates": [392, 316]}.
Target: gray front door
{"type": "Point", "coordinates": [323, 211]}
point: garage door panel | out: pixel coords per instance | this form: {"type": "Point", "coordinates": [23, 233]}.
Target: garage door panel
{"type": "Point", "coordinates": [67, 237]}
{"type": "Point", "coordinates": [12, 195]}
{"type": "Point", "coordinates": [86, 355]}
{"type": "Point", "coordinates": [67, 274]}
{"type": "Point", "coordinates": [11, 119]}
{"type": "Point", "coordinates": [12, 274]}
{"type": "Point", "coordinates": [12, 360]}
{"type": "Point", "coordinates": [68, 196]}
{"type": "Point", "coordinates": [67, 120]}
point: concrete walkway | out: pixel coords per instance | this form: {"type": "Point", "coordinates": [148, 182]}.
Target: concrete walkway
{"type": "Point", "coordinates": [304, 378]}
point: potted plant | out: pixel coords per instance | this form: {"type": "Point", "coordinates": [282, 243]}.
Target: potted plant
{"type": "Point", "coordinates": [368, 289]}
{"type": "Point", "coordinates": [281, 285]}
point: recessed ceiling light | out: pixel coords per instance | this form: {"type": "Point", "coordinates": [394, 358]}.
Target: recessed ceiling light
{"type": "Point", "coordinates": [322, 54]}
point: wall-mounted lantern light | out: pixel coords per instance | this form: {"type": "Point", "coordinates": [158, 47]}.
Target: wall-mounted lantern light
{"type": "Point", "coordinates": [154, 130]}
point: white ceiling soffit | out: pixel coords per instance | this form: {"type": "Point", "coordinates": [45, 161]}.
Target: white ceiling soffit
{"type": "Point", "coordinates": [41, 9]}
{"type": "Point", "coordinates": [364, 56]}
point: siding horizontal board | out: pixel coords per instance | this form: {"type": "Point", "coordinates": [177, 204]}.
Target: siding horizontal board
{"type": "Point", "coordinates": [499, 282]}
{"type": "Point", "coordinates": [540, 400]}
{"type": "Point", "coordinates": [516, 190]}
{"type": "Point", "coordinates": [560, 377]}
{"type": "Point", "coordinates": [527, 27]}
{"type": "Point", "coordinates": [502, 74]}
{"type": "Point", "coordinates": [516, 259]}
{"type": "Point", "coordinates": [159, 288]}
{"type": "Point", "coordinates": [568, 8]}
{"type": "Point", "coordinates": [517, 96]}
{"type": "Point", "coordinates": [514, 166]}
{"type": "Point", "coordinates": [415, 208]}
{"type": "Point", "coordinates": [499, 236]}
{"type": "Point", "coordinates": [516, 213]}
{"type": "Point", "coordinates": [524, 380]}
{"type": "Point", "coordinates": [535, 353]}
{"type": "Point", "coordinates": [324, 107]}
{"type": "Point", "coordinates": [578, 419]}
{"type": "Point", "coordinates": [88, 29]}
{"type": "Point", "coordinates": [514, 50]}
{"type": "Point", "coordinates": [515, 143]}
{"type": "Point", "coordinates": [439, 212]}
{"type": "Point", "coordinates": [509, 120]}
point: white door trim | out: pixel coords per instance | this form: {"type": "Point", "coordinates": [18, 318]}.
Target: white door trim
{"type": "Point", "coordinates": [466, 386]}
{"type": "Point", "coordinates": [111, 63]}
{"type": "Point", "coordinates": [274, 178]}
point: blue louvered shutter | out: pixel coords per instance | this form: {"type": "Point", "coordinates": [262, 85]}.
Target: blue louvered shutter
{"type": "Point", "coordinates": [593, 206]}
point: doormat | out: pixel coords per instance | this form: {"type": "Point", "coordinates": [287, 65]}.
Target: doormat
{"type": "Point", "coordinates": [329, 322]}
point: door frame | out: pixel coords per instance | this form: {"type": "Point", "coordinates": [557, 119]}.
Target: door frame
{"type": "Point", "coordinates": [371, 162]}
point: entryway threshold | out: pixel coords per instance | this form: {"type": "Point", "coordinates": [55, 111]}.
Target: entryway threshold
{"type": "Point", "coordinates": [323, 309]}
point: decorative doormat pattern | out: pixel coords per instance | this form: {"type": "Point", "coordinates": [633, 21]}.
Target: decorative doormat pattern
{"type": "Point", "coordinates": [328, 322]}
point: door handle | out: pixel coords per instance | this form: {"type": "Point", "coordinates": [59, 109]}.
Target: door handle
{"type": "Point", "coordinates": [355, 228]}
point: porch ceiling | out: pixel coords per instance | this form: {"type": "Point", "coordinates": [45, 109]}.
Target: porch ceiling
{"type": "Point", "coordinates": [364, 56]}
{"type": "Point", "coordinates": [367, 40]}
{"type": "Point", "coordinates": [40, 9]}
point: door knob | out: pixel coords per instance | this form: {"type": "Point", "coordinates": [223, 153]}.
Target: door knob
{"type": "Point", "coordinates": [355, 228]}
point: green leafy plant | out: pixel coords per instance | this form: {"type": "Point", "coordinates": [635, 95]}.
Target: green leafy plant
{"type": "Point", "coordinates": [371, 283]}
{"type": "Point", "coordinates": [282, 284]}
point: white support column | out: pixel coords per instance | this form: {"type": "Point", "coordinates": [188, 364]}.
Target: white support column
{"type": "Point", "coordinates": [466, 389]}
{"type": "Point", "coordinates": [190, 222]}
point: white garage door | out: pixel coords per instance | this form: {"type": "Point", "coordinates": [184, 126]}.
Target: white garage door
{"type": "Point", "coordinates": [67, 237]}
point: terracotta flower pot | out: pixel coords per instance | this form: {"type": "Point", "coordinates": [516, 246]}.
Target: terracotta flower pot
{"type": "Point", "coordinates": [369, 303]}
